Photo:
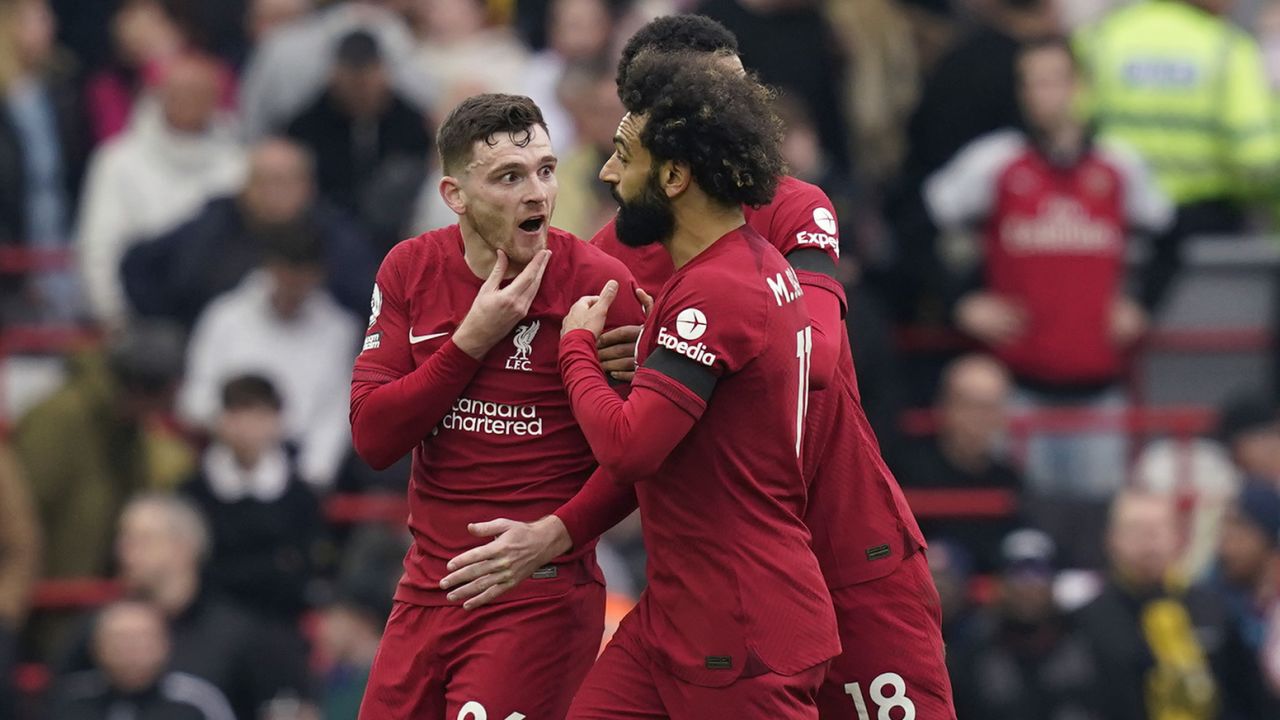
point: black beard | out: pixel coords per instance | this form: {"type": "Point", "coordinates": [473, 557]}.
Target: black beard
{"type": "Point", "coordinates": [647, 219]}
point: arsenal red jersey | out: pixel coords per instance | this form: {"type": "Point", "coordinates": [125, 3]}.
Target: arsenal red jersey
{"type": "Point", "coordinates": [733, 583]}
{"type": "Point", "coordinates": [861, 524]}
{"type": "Point", "coordinates": [506, 445]}
{"type": "Point", "coordinates": [1054, 240]}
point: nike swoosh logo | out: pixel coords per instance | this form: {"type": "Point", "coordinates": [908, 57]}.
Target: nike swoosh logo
{"type": "Point", "coordinates": [415, 339]}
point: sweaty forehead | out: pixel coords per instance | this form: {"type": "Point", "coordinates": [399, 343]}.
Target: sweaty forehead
{"type": "Point", "coordinates": [502, 148]}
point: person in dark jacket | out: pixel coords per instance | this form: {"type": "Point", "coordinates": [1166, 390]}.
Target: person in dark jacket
{"type": "Point", "coordinates": [179, 273]}
{"type": "Point", "coordinates": [131, 680]}
{"type": "Point", "coordinates": [371, 145]}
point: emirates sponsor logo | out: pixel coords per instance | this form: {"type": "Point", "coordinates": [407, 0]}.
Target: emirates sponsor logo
{"type": "Point", "coordinates": [1062, 227]}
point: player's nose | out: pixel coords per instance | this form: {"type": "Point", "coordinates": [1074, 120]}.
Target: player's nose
{"type": "Point", "coordinates": [609, 171]}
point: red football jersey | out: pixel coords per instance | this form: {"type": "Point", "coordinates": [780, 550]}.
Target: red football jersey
{"type": "Point", "coordinates": [1055, 239]}
{"type": "Point", "coordinates": [508, 446]}
{"type": "Point", "coordinates": [861, 524]}
{"type": "Point", "coordinates": [733, 583]}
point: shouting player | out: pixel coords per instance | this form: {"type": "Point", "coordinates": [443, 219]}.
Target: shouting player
{"type": "Point", "coordinates": [865, 537]}
{"type": "Point", "coordinates": [460, 367]}
{"type": "Point", "coordinates": [735, 620]}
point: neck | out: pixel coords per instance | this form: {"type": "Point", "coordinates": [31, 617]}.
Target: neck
{"type": "Point", "coordinates": [969, 457]}
{"type": "Point", "coordinates": [247, 459]}
{"type": "Point", "coordinates": [480, 255]}
{"type": "Point", "coordinates": [1064, 141]}
{"type": "Point", "coordinates": [178, 594]}
{"type": "Point", "coordinates": [699, 224]}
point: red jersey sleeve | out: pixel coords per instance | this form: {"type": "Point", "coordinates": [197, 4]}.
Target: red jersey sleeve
{"type": "Point", "coordinates": [601, 503]}
{"type": "Point", "coordinates": [394, 405]}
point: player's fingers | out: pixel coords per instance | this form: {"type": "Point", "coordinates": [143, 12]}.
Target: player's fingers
{"type": "Point", "coordinates": [496, 274]}
{"type": "Point", "coordinates": [626, 364]}
{"type": "Point", "coordinates": [646, 300]}
{"type": "Point", "coordinates": [607, 295]}
{"type": "Point", "coordinates": [487, 596]}
{"type": "Point", "coordinates": [623, 376]}
{"type": "Point", "coordinates": [463, 582]}
{"type": "Point", "coordinates": [624, 336]}
{"type": "Point", "coordinates": [527, 282]}
{"type": "Point", "coordinates": [490, 528]}
{"type": "Point", "coordinates": [475, 555]}
{"type": "Point", "coordinates": [620, 351]}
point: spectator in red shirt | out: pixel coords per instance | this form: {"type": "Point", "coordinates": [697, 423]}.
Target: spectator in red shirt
{"type": "Point", "coordinates": [1056, 208]}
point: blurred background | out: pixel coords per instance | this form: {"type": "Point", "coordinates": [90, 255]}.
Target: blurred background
{"type": "Point", "coordinates": [1079, 395]}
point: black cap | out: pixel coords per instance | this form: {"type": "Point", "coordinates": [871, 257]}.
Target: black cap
{"type": "Point", "coordinates": [1027, 551]}
{"type": "Point", "coordinates": [358, 49]}
{"type": "Point", "coordinates": [1242, 413]}
{"type": "Point", "coordinates": [148, 355]}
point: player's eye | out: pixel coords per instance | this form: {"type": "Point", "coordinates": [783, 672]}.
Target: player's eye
{"type": "Point", "coordinates": [546, 171]}
{"type": "Point", "coordinates": [509, 177]}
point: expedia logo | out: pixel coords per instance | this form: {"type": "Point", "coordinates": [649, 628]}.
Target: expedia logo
{"type": "Point", "coordinates": [822, 240]}
{"type": "Point", "coordinates": [697, 353]}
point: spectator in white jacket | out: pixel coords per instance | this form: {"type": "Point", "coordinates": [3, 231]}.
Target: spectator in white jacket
{"type": "Point", "coordinates": [177, 154]}
{"type": "Point", "coordinates": [282, 324]}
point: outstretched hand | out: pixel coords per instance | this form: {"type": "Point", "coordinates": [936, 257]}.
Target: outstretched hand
{"type": "Point", "coordinates": [517, 550]}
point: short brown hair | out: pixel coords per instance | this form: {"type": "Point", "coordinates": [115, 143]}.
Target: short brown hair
{"type": "Point", "coordinates": [481, 117]}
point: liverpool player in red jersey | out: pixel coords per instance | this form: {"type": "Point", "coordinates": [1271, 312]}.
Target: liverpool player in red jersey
{"type": "Point", "coordinates": [460, 367]}
{"type": "Point", "coordinates": [736, 620]}
{"type": "Point", "coordinates": [865, 538]}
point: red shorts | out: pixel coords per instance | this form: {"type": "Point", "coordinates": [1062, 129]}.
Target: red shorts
{"type": "Point", "coordinates": [626, 685]}
{"type": "Point", "coordinates": [893, 660]}
{"type": "Point", "coordinates": [501, 662]}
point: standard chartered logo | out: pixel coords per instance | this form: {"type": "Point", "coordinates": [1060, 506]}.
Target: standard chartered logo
{"type": "Point", "coordinates": [493, 418]}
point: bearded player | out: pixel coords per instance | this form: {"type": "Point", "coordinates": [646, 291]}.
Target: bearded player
{"type": "Point", "coordinates": [865, 537]}
{"type": "Point", "coordinates": [459, 367]}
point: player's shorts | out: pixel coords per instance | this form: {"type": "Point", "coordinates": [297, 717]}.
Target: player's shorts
{"type": "Point", "coordinates": [894, 663]}
{"type": "Point", "coordinates": [625, 684]}
{"type": "Point", "coordinates": [509, 661]}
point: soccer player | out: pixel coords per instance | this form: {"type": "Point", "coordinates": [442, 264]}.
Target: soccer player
{"type": "Point", "coordinates": [459, 366]}
{"type": "Point", "coordinates": [736, 620]}
{"type": "Point", "coordinates": [865, 537]}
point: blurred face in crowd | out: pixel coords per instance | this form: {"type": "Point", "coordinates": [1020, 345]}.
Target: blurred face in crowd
{"type": "Point", "coordinates": [1257, 451]}
{"type": "Point", "coordinates": [151, 549]}
{"type": "Point", "coordinates": [292, 284]}
{"type": "Point", "coordinates": [143, 32]}
{"type": "Point", "coordinates": [579, 29]}
{"type": "Point", "coordinates": [1142, 538]}
{"type": "Point", "coordinates": [507, 193]}
{"type": "Point", "coordinates": [347, 634]}
{"type": "Point", "coordinates": [363, 90]}
{"type": "Point", "coordinates": [1048, 86]}
{"type": "Point", "coordinates": [974, 404]}
{"type": "Point", "coordinates": [131, 645]}
{"type": "Point", "coordinates": [451, 20]}
{"type": "Point", "coordinates": [250, 431]}
{"type": "Point", "coordinates": [35, 27]}
{"type": "Point", "coordinates": [265, 16]}
{"type": "Point", "coordinates": [1244, 551]}
{"type": "Point", "coordinates": [592, 102]}
{"type": "Point", "coordinates": [281, 184]}
{"type": "Point", "coordinates": [189, 95]}
{"type": "Point", "coordinates": [1027, 595]}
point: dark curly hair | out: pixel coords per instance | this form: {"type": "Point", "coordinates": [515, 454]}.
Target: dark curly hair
{"type": "Point", "coordinates": [677, 33]}
{"type": "Point", "coordinates": [720, 123]}
{"type": "Point", "coordinates": [481, 117]}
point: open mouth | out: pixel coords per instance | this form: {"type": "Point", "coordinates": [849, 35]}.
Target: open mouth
{"type": "Point", "coordinates": [533, 224]}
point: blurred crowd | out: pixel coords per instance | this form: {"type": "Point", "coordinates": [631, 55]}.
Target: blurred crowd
{"type": "Point", "coordinates": [205, 190]}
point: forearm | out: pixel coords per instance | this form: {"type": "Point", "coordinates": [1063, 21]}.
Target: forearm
{"type": "Point", "coordinates": [389, 417]}
{"type": "Point", "coordinates": [630, 438]}
{"type": "Point", "coordinates": [601, 503]}
{"type": "Point", "coordinates": [826, 323]}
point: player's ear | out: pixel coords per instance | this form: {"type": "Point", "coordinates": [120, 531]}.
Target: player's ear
{"type": "Point", "coordinates": [674, 178]}
{"type": "Point", "coordinates": [452, 194]}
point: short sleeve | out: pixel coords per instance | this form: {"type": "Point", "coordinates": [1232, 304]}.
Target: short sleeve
{"type": "Point", "coordinates": [804, 219]}
{"type": "Point", "coordinates": [385, 355]}
{"type": "Point", "coordinates": [1146, 206]}
{"type": "Point", "coordinates": [704, 319]}
{"type": "Point", "coordinates": [962, 192]}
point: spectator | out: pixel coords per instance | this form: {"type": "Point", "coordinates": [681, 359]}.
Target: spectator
{"type": "Point", "coordinates": [1188, 90]}
{"type": "Point", "coordinates": [972, 413]}
{"type": "Point", "coordinates": [162, 543]}
{"type": "Point", "coordinates": [793, 46]}
{"type": "Point", "coordinates": [265, 521]}
{"type": "Point", "coordinates": [178, 274]}
{"type": "Point", "coordinates": [351, 626]}
{"type": "Point", "coordinates": [172, 160]}
{"type": "Point", "coordinates": [96, 441]}
{"type": "Point", "coordinates": [370, 144]}
{"type": "Point", "coordinates": [578, 31]}
{"type": "Point", "coordinates": [1248, 579]}
{"type": "Point", "coordinates": [148, 35]}
{"type": "Point", "coordinates": [1049, 300]}
{"type": "Point", "coordinates": [1025, 660]}
{"type": "Point", "coordinates": [290, 67]}
{"type": "Point", "coordinates": [588, 93]}
{"type": "Point", "coordinates": [265, 17]}
{"type": "Point", "coordinates": [462, 53]}
{"type": "Point", "coordinates": [1249, 430]}
{"type": "Point", "coordinates": [43, 143]}
{"type": "Point", "coordinates": [130, 649]}
{"type": "Point", "coordinates": [971, 91]}
{"type": "Point", "coordinates": [280, 323]}
{"type": "Point", "coordinates": [1155, 643]}
{"type": "Point", "coordinates": [19, 563]}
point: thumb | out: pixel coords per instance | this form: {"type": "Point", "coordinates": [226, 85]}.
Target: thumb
{"type": "Point", "coordinates": [607, 295]}
{"type": "Point", "coordinates": [499, 271]}
{"type": "Point", "coordinates": [646, 300]}
{"type": "Point", "coordinates": [490, 528]}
